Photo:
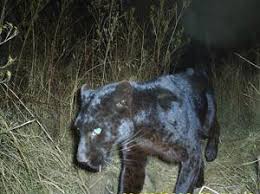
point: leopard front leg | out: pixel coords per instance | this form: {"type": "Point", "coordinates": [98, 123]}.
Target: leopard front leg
{"type": "Point", "coordinates": [190, 174]}
{"type": "Point", "coordinates": [200, 182]}
{"type": "Point", "coordinates": [132, 173]}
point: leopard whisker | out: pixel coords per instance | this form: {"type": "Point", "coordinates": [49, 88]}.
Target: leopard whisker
{"type": "Point", "coordinates": [131, 138]}
{"type": "Point", "coordinates": [128, 148]}
{"type": "Point", "coordinates": [131, 141]}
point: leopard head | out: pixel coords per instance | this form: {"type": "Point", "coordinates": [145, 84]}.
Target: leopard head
{"type": "Point", "coordinates": [103, 121]}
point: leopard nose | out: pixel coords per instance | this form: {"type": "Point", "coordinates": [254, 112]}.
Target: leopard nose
{"type": "Point", "coordinates": [82, 151]}
{"type": "Point", "coordinates": [81, 158]}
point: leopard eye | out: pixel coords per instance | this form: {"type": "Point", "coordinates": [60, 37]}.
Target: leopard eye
{"type": "Point", "coordinates": [95, 132]}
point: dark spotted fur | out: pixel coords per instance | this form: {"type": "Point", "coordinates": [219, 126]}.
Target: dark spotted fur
{"type": "Point", "coordinates": [166, 118]}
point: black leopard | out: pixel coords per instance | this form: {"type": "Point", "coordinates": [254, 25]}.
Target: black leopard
{"type": "Point", "coordinates": [166, 118]}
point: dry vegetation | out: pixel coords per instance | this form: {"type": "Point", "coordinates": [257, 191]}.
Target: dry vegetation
{"type": "Point", "coordinates": [38, 105]}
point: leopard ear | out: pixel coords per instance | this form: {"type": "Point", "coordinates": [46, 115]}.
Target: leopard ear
{"type": "Point", "coordinates": [85, 94]}
{"type": "Point", "coordinates": [123, 95]}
